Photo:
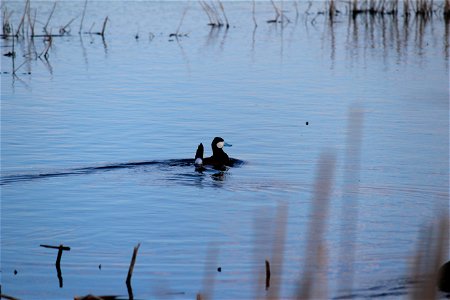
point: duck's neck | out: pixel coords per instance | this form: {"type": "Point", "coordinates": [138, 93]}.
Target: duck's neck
{"type": "Point", "coordinates": [219, 153]}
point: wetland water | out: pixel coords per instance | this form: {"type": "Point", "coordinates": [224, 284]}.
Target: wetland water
{"type": "Point", "coordinates": [96, 142]}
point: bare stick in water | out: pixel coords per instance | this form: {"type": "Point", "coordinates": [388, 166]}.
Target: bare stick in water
{"type": "Point", "coordinates": [267, 274]}
{"type": "Point", "coordinates": [130, 271]}
{"type": "Point", "coordinates": [60, 248]}
{"type": "Point", "coordinates": [13, 56]}
{"type": "Point", "coordinates": [133, 261]}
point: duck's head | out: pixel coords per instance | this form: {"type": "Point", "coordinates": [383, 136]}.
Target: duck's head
{"type": "Point", "coordinates": [218, 143]}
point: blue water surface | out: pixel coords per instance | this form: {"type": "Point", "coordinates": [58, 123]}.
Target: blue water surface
{"type": "Point", "coordinates": [96, 144]}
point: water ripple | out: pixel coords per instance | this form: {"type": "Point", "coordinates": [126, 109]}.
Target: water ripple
{"type": "Point", "coordinates": [188, 162]}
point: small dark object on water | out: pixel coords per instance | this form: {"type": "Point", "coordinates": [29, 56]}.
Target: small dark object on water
{"type": "Point", "coordinates": [15, 272]}
{"type": "Point", "coordinates": [444, 278]}
{"type": "Point", "coordinates": [219, 269]}
{"type": "Point", "coordinates": [307, 123]}
{"type": "Point", "coordinates": [136, 36]}
{"type": "Point", "coordinates": [9, 54]}
{"type": "Point", "coordinates": [100, 266]}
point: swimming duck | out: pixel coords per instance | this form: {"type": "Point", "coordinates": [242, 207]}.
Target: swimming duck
{"type": "Point", "coordinates": [219, 159]}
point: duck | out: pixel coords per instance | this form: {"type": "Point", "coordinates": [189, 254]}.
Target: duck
{"type": "Point", "coordinates": [219, 158]}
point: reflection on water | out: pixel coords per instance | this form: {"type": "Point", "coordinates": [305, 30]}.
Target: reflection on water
{"type": "Point", "coordinates": [91, 133]}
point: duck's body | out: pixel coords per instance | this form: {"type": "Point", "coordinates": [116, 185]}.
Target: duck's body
{"type": "Point", "coordinates": [219, 159]}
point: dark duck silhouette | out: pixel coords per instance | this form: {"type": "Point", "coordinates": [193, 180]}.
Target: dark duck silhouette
{"type": "Point", "coordinates": [219, 159]}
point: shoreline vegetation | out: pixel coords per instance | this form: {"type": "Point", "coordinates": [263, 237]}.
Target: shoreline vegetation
{"type": "Point", "coordinates": [375, 14]}
{"type": "Point", "coordinates": [432, 248]}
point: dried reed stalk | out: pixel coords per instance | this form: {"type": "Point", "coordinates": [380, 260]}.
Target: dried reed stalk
{"type": "Point", "coordinates": [22, 20]}
{"type": "Point", "coordinates": [431, 253]}
{"type": "Point", "coordinates": [102, 33]}
{"type": "Point", "coordinates": [209, 276]}
{"type": "Point", "coordinates": [181, 21]}
{"type": "Point", "coordinates": [82, 17]}
{"type": "Point", "coordinates": [202, 4]}
{"type": "Point", "coordinates": [277, 13]}
{"type": "Point", "coordinates": [253, 13]}
{"type": "Point", "coordinates": [317, 223]}
{"type": "Point", "coordinates": [31, 21]}
{"type": "Point", "coordinates": [278, 243]}
{"type": "Point", "coordinates": [223, 12]}
{"type": "Point", "coordinates": [349, 207]}
{"type": "Point", "coordinates": [49, 17]}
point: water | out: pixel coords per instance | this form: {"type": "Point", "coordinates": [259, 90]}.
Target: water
{"type": "Point", "coordinates": [97, 144]}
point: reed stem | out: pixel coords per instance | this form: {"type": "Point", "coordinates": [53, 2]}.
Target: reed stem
{"type": "Point", "coordinates": [82, 17]}
{"type": "Point", "coordinates": [49, 17]}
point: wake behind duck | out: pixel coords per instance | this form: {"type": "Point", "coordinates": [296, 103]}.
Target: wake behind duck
{"type": "Point", "coordinates": [218, 161]}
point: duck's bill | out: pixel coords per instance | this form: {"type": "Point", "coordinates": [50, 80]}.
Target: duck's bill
{"type": "Point", "coordinates": [227, 145]}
